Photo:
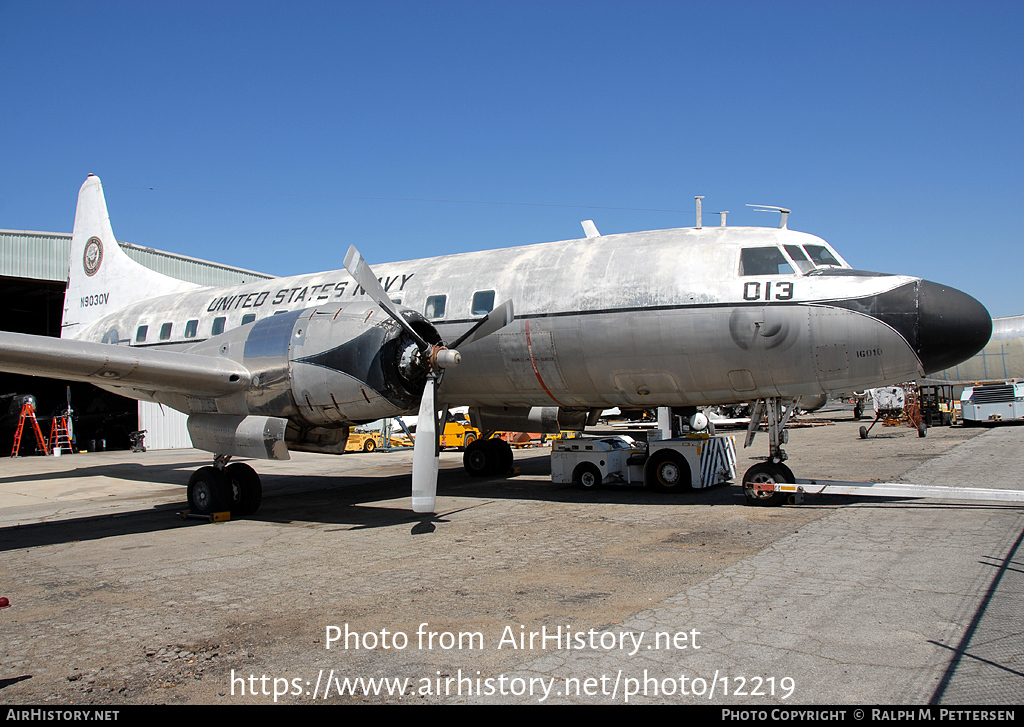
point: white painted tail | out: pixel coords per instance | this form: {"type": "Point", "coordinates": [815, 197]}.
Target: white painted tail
{"type": "Point", "coordinates": [102, 278]}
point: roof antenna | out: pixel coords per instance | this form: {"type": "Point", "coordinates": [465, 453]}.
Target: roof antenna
{"type": "Point", "coordinates": [590, 228]}
{"type": "Point", "coordinates": [723, 214]}
{"type": "Point", "coordinates": [771, 208]}
{"type": "Point", "coordinates": [698, 198]}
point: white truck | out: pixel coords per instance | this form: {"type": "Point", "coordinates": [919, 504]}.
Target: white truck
{"type": "Point", "coordinates": [992, 402]}
{"type": "Point", "coordinates": [668, 465]}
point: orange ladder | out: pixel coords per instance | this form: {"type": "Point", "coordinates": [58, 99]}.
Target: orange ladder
{"type": "Point", "coordinates": [60, 436]}
{"type": "Point", "coordinates": [27, 412]}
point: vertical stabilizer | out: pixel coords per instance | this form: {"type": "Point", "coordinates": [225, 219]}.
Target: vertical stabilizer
{"type": "Point", "coordinates": [101, 277]}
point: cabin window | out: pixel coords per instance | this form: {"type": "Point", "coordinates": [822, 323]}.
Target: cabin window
{"type": "Point", "coordinates": [140, 335]}
{"type": "Point", "coordinates": [435, 306]}
{"type": "Point", "coordinates": [821, 256]}
{"type": "Point", "coordinates": [483, 302]}
{"type": "Point", "coordinates": [218, 326]}
{"type": "Point", "coordinates": [191, 328]}
{"type": "Point", "coordinates": [248, 318]}
{"type": "Point", "coordinates": [165, 331]}
{"type": "Point", "coordinates": [764, 261]}
{"type": "Point", "coordinates": [797, 254]}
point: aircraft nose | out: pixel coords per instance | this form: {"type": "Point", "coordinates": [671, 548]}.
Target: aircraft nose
{"type": "Point", "coordinates": [952, 326]}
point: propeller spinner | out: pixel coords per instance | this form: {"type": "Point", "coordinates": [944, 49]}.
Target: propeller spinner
{"type": "Point", "coordinates": [434, 359]}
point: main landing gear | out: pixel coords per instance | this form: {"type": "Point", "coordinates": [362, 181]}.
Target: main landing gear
{"type": "Point", "coordinates": [222, 486]}
{"type": "Point", "coordinates": [758, 481]}
{"type": "Point", "coordinates": [485, 456]}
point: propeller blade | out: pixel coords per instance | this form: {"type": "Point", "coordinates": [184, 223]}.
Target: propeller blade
{"type": "Point", "coordinates": [360, 270]}
{"type": "Point", "coordinates": [493, 321]}
{"type": "Point", "coordinates": [424, 453]}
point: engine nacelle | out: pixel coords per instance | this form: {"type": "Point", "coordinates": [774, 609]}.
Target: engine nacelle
{"type": "Point", "coordinates": [240, 436]}
{"type": "Point", "coordinates": [326, 367]}
{"type": "Point", "coordinates": [536, 420]}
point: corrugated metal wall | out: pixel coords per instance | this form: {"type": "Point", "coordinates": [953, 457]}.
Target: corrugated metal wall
{"type": "Point", "coordinates": [165, 427]}
{"type": "Point", "coordinates": [34, 255]}
{"type": "Point", "coordinates": [44, 256]}
{"type": "Point", "coordinates": [190, 269]}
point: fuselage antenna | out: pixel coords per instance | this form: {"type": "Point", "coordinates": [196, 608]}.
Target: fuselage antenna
{"type": "Point", "coordinates": [772, 208]}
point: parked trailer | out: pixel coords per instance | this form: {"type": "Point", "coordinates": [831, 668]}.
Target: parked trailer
{"type": "Point", "coordinates": [669, 465]}
{"type": "Point", "coordinates": [992, 402]}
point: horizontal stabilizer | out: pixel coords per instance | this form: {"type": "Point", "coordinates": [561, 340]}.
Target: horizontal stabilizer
{"type": "Point", "coordinates": [102, 363]}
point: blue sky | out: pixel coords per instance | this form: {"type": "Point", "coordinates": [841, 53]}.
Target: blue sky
{"type": "Point", "coordinates": [273, 135]}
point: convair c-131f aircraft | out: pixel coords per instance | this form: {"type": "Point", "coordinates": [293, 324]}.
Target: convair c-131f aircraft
{"type": "Point", "coordinates": [674, 318]}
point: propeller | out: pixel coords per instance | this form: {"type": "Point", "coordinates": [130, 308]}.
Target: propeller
{"type": "Point", "coordinates": [424, 451]}
{"type": "Point", "coordinates": [435, 359]}
{"type": "Point", "coordinates": [493, 321]}
{"type": "Point", "coordinates": [360, 270]}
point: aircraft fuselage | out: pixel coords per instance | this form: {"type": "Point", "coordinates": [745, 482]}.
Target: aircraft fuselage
{"type": "Point", "coordinates": [664, 318]}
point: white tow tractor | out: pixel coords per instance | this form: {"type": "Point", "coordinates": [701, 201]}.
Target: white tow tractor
{"type": "Point", "coordinates": [992, 402]}
{"type": "Point", "coordinates": [668, 465]}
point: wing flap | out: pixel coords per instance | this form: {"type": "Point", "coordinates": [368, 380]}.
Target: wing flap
{"type": "Point", "coordinates": [101, 363]}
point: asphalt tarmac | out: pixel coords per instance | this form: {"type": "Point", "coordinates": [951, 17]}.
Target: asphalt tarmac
{"type": "Point", "coordinates": [628, 595]}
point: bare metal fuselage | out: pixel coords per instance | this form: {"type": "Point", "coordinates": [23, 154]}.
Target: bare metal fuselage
{"type": "Point", "coordinates": [646, 319]}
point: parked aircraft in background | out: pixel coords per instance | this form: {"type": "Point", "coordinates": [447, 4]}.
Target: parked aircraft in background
{"type": "Point", "coordinates": [1002, 357]}
{"type": "Point", "coordinates": [680, 318]}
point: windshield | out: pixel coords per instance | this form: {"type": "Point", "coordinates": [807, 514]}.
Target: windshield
{"type": "Point", "coordinates": [821, 257]}
{"type": "Point", "coordinates": [801, 261]}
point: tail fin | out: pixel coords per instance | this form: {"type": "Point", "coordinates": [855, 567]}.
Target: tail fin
{"type": "Point", "coordinates": [102, 278]}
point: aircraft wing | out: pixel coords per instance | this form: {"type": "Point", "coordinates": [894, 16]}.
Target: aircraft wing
{"type": "Point", "coordinates": [101, 363]}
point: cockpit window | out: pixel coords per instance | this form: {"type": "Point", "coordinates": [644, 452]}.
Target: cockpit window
{"type": "Point", "coordinates": [797, 254]}
{"type": "Point", "coordinates": [764, 261]}
{"type": "Point", "coordinates": [821, 257]}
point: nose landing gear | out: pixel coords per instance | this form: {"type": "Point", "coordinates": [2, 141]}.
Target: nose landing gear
{"type": "Point", "coordinates": [759, 480]}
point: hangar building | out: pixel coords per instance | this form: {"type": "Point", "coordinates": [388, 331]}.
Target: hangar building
{"type": "Point", "coordinates": [33, 276]}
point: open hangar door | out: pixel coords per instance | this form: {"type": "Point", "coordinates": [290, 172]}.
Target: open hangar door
{"type": "Point", "coordinates": [35, 306]}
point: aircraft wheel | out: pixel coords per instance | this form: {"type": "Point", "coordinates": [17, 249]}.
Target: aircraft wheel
{"type": "Point", "coordinates": [246, 482]}
{"type": "Point", "coordinates": [206, 490]}
{"type": "Point", "coordinates": [857, 411]}
{"type": "Point", "coordinates": [763, 474]}
{"type": "Point", "coordinates": [863, 432]}
{"type": "Point", "coordinates": [479, 460]}
{"type": "Point", "coordinates": [922, 430]}
{"type": "Point", "coordinates": [503, 453]}
{"type": "Point", "coordinates": [230, 492]}
{"type": "Point", "coordinates": [369, 445]}
{"type": "Point", "coordinates": [668, 471]}
{"type": "Point", "coordinates": [587, 476]}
